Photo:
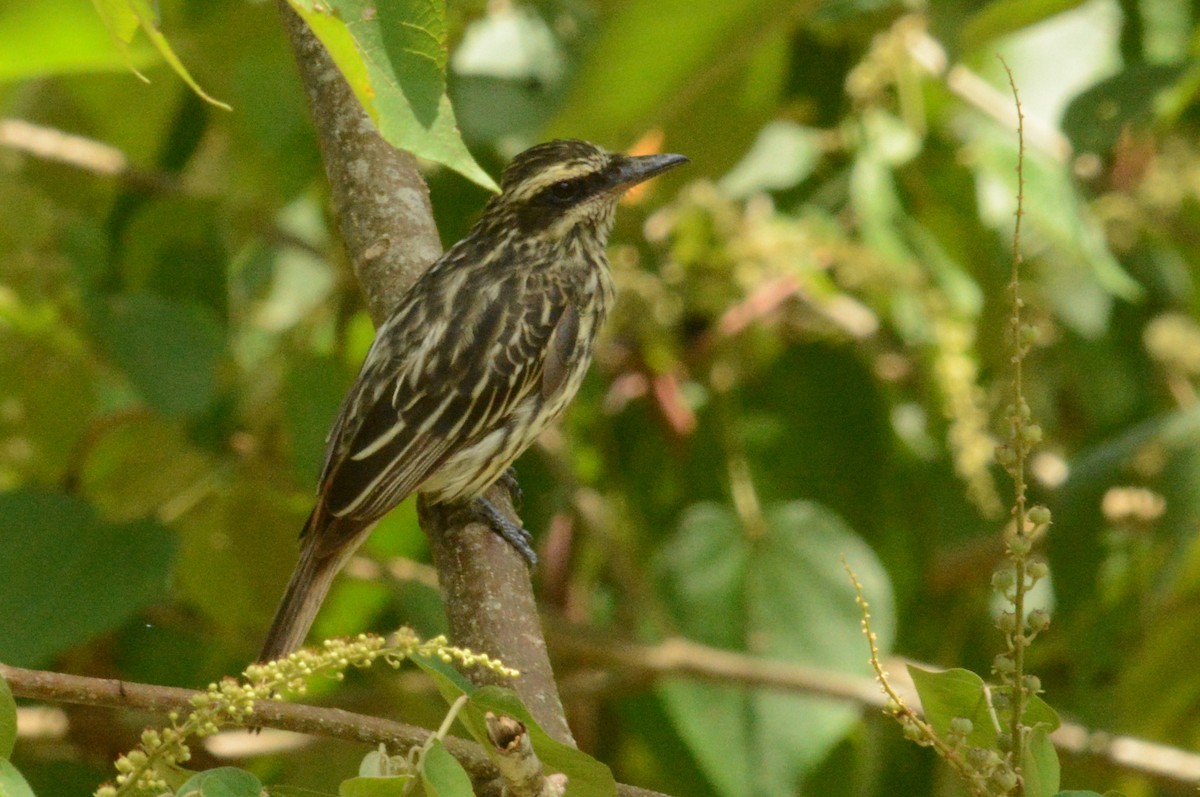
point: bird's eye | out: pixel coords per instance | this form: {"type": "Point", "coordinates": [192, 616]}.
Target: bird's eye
{"type": "Point", "coordinates": [565, 191]}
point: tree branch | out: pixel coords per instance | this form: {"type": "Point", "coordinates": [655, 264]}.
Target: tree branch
{"type": "Point", "coordinates": [383, 208]}
{"type": "Point", "coordinates": [684, 658]}
{"type": "Point", "coordinates": [379, 198]}
{"type": "Point", "coordinates": [676, 657]}
{"type": "Point", "coordinates": [490, 606]}
{"type": "Point", "coordinates": [331, 723]}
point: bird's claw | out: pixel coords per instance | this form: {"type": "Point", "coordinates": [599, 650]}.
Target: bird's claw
{"type": "Point", "coordinates": [512, 533]}
{"type": "Point", "coordinates": [508, 480]}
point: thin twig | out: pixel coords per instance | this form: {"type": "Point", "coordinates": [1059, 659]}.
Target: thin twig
{"type": "Point", "coordinates": [1018, 551]}
{"type": "Point", "coordinates": [89, 155]}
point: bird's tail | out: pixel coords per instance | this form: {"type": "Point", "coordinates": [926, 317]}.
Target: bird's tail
{"type": "Point", "coordinates": [306, 591]}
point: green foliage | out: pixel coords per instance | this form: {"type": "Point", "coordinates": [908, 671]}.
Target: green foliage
{"type": "Point", "coordinates": [1007, 16]}
{"type": "Point", "coordinates": [378, 786]}
{"type": "Point", "coordinates": [12, 783]}
{"type": "Point", "coordinates": [123, 18]}
{"type": "Point", "coordinates": [60, 36]}
{"type": "Point", "coordinates": [959, 693]}
{"type": "Point", "coordinates": [59, 557]}
{"type": "Point", "coordinates": [1040, 767]}
{"type": "Point", "coordinates": [442, 775]}
{"type": "Point", "coordinates": [393, 54]}
{"type": "Point", "coordinates": [770, 584]}
{"type": "Point", "coordinates": [8, 720]}
{"type": "Point", "coordinates": [221, 782]}
{"type": "Point", "coordinates": [586, 777]}
{"type": "Point", "coordinates": [169, 351]}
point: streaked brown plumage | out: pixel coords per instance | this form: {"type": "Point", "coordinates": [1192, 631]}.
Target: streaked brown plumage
{"type": "Point", "coordinates": [483, 353]}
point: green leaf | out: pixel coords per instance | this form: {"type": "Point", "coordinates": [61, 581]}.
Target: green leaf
{"type": "Point", "coordinates": [119, 18]}
{"type": "Point", "coordinates": [962, 693]}
{"type": "Point", "coordinates": [8, 720]}
{"type": "Point", "coordinates": [393, 55]}
{"type": "Point", "coordinates": [374, 786]}
{"type": "Point", "coordinates": [611, 95]}
{"type": "Point", "coordinates": [1039, 766]}
{"type": "Point", "coordinates": [53, 37]}
{"type": "Point", "coordinates": [1078, 275]}
{"type": "Point", "coordinates": [442, 775]}
{"type": "Point", "coordinates": [586, 777]}
{"type": "Point", "coordinates": [449, 681]}
{"type": "Point", "coordinates": [312, 393]}
{"type": "Point", "coordinates": [784, 154]}
{"type": "Point", "coordinates": [168, 349]}
{"type": "Point", "coordinates": [67, 575]}
{"type": "Point", "coordinates": [12, 783]}
{"type": "Point", "coordinates": [139, 467]}
{"type": "Point", "coordinates": [123, 17]}
{"type": "Point", "coordinates": [717, 76]}
{"type": "Point", "coordinates": [1039, 714]}
{"type": "Point", "coordinates": [1005, 16]}
{"type": "Point", "coordinates": [955, 693]}
{"type": "Point", "coordinates": [221, 782]}
{"type": "Point", "coordinates": [1097, 119]}
{"type": "Point", "coordinates": [780, 591]}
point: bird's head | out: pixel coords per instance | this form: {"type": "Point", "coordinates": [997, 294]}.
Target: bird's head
{"type": "Point", "coordinates": [567, 186]}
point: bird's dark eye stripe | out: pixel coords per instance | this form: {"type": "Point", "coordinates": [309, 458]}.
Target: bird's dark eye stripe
{"type": "Point", "coordinates": [570, 191]}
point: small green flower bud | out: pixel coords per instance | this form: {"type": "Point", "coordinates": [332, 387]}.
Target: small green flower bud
{"type": "Point", "coordinates": [1038, 515]}
{"type": "Point", "coordinates": [1006, 622]}
{"type": "Point", "coordinates": [1003, 742]}
{"type": "Point", "coordinates": [1019, 545]}
{"type": "Point", "coordinates": [1004, 779]}
{"type": "Point", "coordinates": [1032, 684]}
{"type": "Point", "coordinates": [982, 760]}
{"type": "Point", "coordinates": [1005, 456]}
{"type": "Point", "coordinates": [1004, 664]}
{"type": "Point", "coordinates": [961, 726]}
{"type": "Point", "coordinates": [1028, 334]}
{"type": "Point", "coordinates": [1031, 434]}
{"type": "Point", "coordinates": [1039, 620]}
{"type": "Point", "coordinates": [1037, 570]}
{"type": "Point", "coordinates": [1004, 579]}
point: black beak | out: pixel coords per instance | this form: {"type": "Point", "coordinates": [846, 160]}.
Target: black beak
{"type": "Point", "coordinates": [629, 170]}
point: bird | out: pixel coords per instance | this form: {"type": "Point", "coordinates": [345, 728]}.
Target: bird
{"type": "Point", "coordinates": [477, 358]}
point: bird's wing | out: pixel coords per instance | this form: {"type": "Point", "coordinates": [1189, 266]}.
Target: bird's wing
{"type": "Point", "coordinates": [429, 388]}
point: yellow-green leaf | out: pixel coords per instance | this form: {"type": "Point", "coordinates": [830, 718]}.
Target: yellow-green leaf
{"type": "Point", "coordinates": [123, 17]}
{"type": "Point", "coordinates": [393, 55]}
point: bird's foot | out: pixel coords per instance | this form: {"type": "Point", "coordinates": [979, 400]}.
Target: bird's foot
{"type": "Point", "coordinates": [508, 480]}
{"type": "Point", "coordinates": [512, 533]}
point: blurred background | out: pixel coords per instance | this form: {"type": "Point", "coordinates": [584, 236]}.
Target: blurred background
{"type": "Point", "coordinates": [808, 359]}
